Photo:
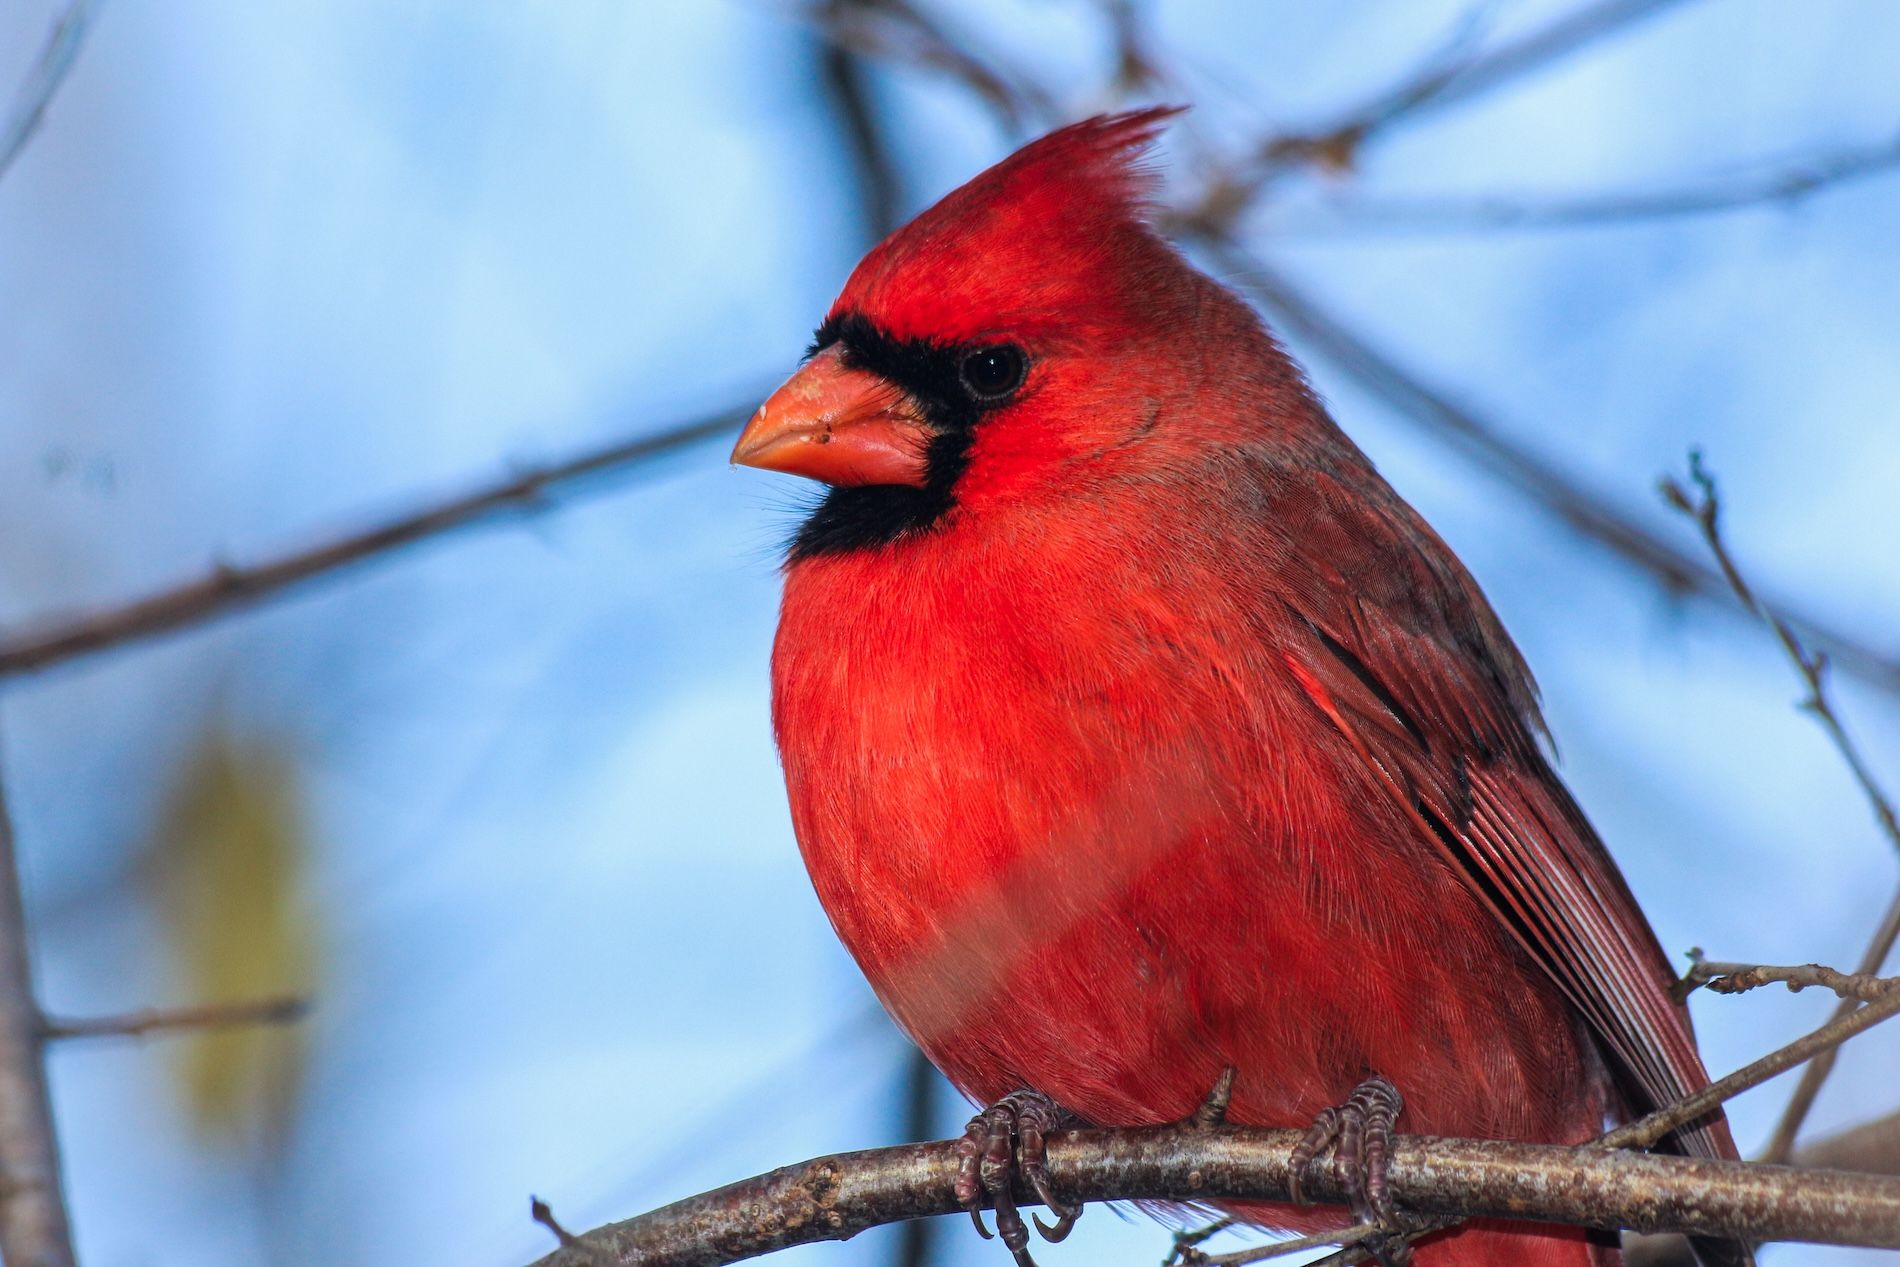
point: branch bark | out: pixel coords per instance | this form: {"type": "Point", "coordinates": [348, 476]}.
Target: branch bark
{"type": "Point", "coordinates": [33, 1226]}
{"type": "Point", "coordinates": [834, 1198]}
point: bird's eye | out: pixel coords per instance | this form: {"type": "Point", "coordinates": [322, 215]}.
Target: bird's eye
{"type": "Point", "coordinates": [993, 373]}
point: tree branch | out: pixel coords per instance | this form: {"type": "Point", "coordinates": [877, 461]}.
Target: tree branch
{"type": "Point", "coordinates": [1648, 1130]}
{"type": "Point", "coordinates": [1705, 507]}
{"type": "Point", "coordinates": [1653, 1128]}
{"type": "Point", "coordinates": [1596, 1184]}
{"type": "Point", "coordinates": [1737, 978]}
{"type": "Point", "coordinates": [1441, 83]}
{"type": "Point", "coordinates": [33, 1228]}
{"type": "Point", "coordinates": [1872, 1147]}
{"type": "Point", "coordinates": [880, 197]}
{"type": "Point", "coordinates": [898, 30]}
{"type": "Point", "coordinates": [1786, 184]}
{"type": "Point", "coordinates": [228, 588]}
{"type": "Point", "coordinates": [162, 1020]}
{"type": "Point", "coordinates": [833, 1198]}
{"type": "Point", "coordinates": [1591, 516]}
{"type": "Point", "coordinates": [43, 81]}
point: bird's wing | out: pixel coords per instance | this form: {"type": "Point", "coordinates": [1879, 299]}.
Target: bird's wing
{"type": "Point", "coordinates": [1395, 644]}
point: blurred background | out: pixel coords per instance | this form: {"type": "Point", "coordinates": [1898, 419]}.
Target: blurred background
{"type": "Point", "coordinates": [504, 804]}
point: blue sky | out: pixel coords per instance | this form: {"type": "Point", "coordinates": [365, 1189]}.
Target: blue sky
{"type": "Point", "coordinates": [273, 269]}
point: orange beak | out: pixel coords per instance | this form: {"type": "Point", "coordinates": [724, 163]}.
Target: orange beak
{"type": "Point", "coordinates": [837, 424]}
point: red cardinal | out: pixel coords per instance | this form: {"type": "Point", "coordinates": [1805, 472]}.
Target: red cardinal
{"type": "Point", "coordinates": [1135, 729]}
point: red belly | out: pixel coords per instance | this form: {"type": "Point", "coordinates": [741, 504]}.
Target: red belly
{"type": "Point", "coordinates": [1085, 894]}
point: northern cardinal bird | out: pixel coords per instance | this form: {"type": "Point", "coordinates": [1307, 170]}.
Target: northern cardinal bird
{"type": "Point", "coordinates": [1136, 730]}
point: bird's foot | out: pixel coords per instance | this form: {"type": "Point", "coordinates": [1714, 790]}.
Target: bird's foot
{"type": "Point", "coordinates": [1001, 1142]}
{"type": "Point", "coordinates": [1360, 1134]}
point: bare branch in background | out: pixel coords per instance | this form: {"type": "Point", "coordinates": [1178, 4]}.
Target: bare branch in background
{"type": "Point", "coordinates": [228, 588]}
{"type": "Point", "coordinates": [1872, 1147]}
{"type": "Point", "coordinates": [1444, 81]}
{"type": "Point", "coordinates": [1187, 1241]}
{"type": "Point", "coordinates": [163, 1020]}
{"type": "Point", "coordinates": [1135, 68]}
{"type": "Point", "coordinates": [834, 1198]}
{"type": "Point", "coordinates": [1705, 507]}
{"type": "Point", "coordinates": [33, 1227]}
{"type": "Point", "coordinates": [900, 31]}
{"type": "Point", "coordinates": [880, 195]}
{"type": "Point", "coordinates": [43, 80]}
{"type": "Point", "coordinates": [1187, 1256]}
{"type": "Point", "coordinates": [1785, 184]}
{"type": "Point", "coordinates": [1592, 516]}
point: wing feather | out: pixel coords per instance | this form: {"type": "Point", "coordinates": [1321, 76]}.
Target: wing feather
{"type": "Point", "coordinates": [1397, 646]}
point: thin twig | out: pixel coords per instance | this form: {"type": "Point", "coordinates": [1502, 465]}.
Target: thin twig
{"type": "Point", "coordinates": [1786, 184]}
{"type": "Point", "coordinates": [1780, 1146]}
{"type": "Point", "coordinates": [542, 1213]}
{"type": "Point", "coordinates": [1736, 978]}
{"type": "Point", "coordinates": [1647, 1130]}
{"type": "Point", "coordinates": [34, 1231]}
{"type": "Point", "coordinates": [230, 587]}
{"type": "Point", "coordinates": [1705, 507]}
{"type": "Point", "coordinates": [1136, 68]}
{"type": "Point", "coordinates": [162, 1020]}
{"type": "Point", "coordinates": [43, 81]}
{"type": "Point", "coordinates": [1187, 1241]}
{"type": "Point", "coordinates": [1342, 1236]}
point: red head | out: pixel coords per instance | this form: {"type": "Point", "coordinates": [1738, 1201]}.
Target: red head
{"type": "Point", "coordinates": [1028, 321]}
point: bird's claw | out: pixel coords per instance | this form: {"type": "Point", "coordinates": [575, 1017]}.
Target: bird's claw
{"type": "Point", "coordinates": [1001, 1142]}
{"type": "Point", "coordinates": [1360, 1134]}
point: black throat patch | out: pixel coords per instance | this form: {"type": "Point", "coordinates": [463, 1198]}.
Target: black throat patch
{"type": "Point", "coordinates": [874, 515]}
